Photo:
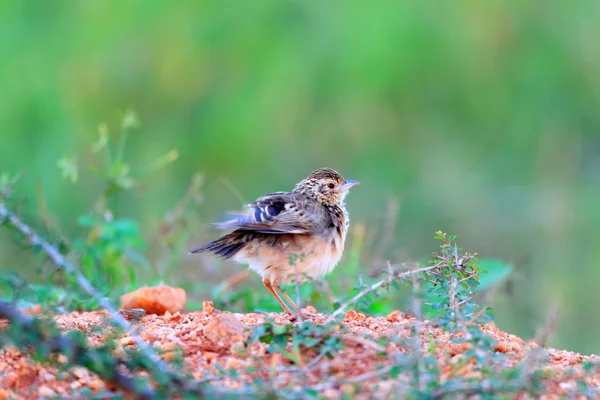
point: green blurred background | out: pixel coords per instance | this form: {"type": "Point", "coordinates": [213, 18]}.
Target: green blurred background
{"type": "Point", "coordinates": [478, 118]}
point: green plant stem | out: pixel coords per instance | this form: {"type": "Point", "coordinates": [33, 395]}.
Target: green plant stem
{"type": "Point", "coordinates": [121, 145]}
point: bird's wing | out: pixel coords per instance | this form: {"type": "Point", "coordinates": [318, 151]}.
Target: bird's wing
{"type": "Point", "coordinates": [280, 213]}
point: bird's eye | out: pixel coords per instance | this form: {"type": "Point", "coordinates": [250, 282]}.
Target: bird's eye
{"type": "Point", "coordinates": [331, 185]}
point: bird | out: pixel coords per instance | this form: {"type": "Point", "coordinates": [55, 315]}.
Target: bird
{"type": "Point", "coordinates": [290, 236]}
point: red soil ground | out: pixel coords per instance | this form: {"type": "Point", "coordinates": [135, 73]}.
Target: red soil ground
{"type": "Point", "coordinates": [213, 338]}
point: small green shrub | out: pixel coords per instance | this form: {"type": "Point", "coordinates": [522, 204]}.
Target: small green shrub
{"type": "Point", "coordinates": [109, 251]}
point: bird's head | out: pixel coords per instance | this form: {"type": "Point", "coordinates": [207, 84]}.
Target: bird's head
{"type": "Point", "coordinates": [327, 186]}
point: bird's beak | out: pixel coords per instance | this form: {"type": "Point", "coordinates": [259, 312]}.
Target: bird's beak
{"type": "Point", "coordinates": [349, 183]}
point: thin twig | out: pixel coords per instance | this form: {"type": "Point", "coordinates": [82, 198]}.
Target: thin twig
{"type": "Point", "coordinates": [386, 281]}
{"type": "Point", "coordinates": [378, 372]}
{"type": "Point", "coordinates": [297, 284]}
{"type": "Point", "coordinates": [468, 299]}
{"type": "Point", "coordinates": [549, 328]}
{"type": "Point", "coordinates": [372, 374]}
{"type": "Point", "coordinates": [365, 342]}
{"type": "Point", "coordinates": [474, 274]}
{"type": "Point", "coordinates": [172, 221]}
{"type": "Point", "coordinates": [234, 190]}
{"type": "Point", "coordinates": [470, 389]}
{"type": "Point", "coordinates": [476, 316]}
{"type": "Point", "coordinates": [316, 360]}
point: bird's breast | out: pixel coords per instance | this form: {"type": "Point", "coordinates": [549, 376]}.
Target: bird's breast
{"type": "Point", "coordinates": [280, 257]}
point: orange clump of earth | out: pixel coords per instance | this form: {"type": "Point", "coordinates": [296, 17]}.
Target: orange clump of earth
{"type": "Point", "coordinates": [212, 340]}
{"type": "Point", "coordinates": [155, 300]}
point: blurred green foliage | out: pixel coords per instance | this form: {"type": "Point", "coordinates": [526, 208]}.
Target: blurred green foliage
{"type": "Point", "coordinates": [476, 118]}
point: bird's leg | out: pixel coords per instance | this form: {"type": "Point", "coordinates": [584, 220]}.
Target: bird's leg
{"type": "Point", "coordinates": [285, 296]}
{"type": "Point", "coordinates": [296, 308]}
{"type": "Point", "coordinates": [267, 284]}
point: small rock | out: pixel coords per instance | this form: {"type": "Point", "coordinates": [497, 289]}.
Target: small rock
{"type": "Point", "coordinates": [209, 356]}
{"type": "Point", "coordinates": [127, 341]}
{"type": "Point", "coordinates": [33, 310]}
{"type": "Point", "coordinates": [501, 347]}
{"type": "Point", "coordinates": [95, 384]}
{"type": "Point", "coordinates": [515, 346]}
{"type": "Point", "coordinates": [169, 346]}
{"type": "Point", "coordinates": [467, 346]}
{"type": "Point", "coordinates": [45, 391]}
{"type": "Point", "coordinates": [79, 372]}
{"type": "Point", "coordinates": [46, 376]}
{"type": "Point", "coordinates": [208, 307]}
{"type": "Point", "coordinates": [353, 315]}
{"type": "Point", "coordinates": [224, 329]}
{"type": "Point", "coordinates": [155, 300]}
{"type": "Point", "coordinates": [135, 314]}
{"type": "Point", "coordinates": [238, 350]}
{"type": "Point", "coordinates": [232, 362]}
{"type": "Point", "coordinates": [310, 310]}
{"type": "Point", "coordinates": [394, 316]}
{"type": "Point", "coordinates": [569, 385]}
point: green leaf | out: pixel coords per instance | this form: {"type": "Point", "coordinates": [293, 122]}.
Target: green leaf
{"type": "Point", "coordinates": [496, 271]}
{"type": "Point", "coordinates": [69, 168]}
{"type": "Point", "coordinates": [395, 371]}
{"type": "Point", "coordinates": [130, 120]}
{"type": "Point", "coordinates": [266, 339]}
{"type": "Point", "coordinates": [102, 138]}
{"type": "Point", "coordinates": [86, 220]}
{"type": "Point", "coordinates": [279, 343]}
{"type": "Point", "coordinates": [132, 277]}
{"type": "Point", "coordinates": [281, 329]}
{"type": "Point", "coordinates": [125, 226]}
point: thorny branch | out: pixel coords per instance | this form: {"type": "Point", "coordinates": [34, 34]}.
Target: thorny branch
{"type": "Point", "coordinates": [62, 262]}
{"type": "Point", "coordinates": [154, 360]}
{"type": "Point", "coordinates": [392, 276]}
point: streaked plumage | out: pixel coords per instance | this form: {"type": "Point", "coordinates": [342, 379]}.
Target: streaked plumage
{"type": "Point", "coordinates": [283, 232]}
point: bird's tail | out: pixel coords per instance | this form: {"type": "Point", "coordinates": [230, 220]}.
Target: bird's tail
{"type": "Point", "coordinates": [226, 246]}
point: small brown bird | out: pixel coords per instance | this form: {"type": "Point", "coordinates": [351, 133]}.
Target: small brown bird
{"type": "Point", "coordinates": [284, 235]}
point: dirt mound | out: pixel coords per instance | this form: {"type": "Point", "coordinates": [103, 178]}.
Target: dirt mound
{"type": "Point", "coordinates": [212, 341]}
